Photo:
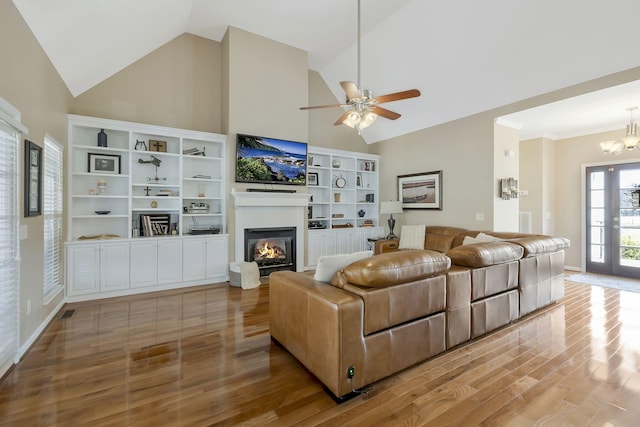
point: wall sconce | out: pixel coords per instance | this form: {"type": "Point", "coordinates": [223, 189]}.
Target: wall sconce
{"type": "Point", "coordinates": [508, 188]}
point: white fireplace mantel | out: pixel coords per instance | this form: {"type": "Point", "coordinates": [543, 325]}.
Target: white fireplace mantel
{"type": "Point", "coordinates": [259, 198]}
{"type": "Point", "coordinates": [270, 209]}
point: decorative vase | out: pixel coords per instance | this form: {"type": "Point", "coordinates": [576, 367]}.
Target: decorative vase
{"type": "Point", "coordinates": [361, 213]}
{"type": "Point", "coordinates": [102, 138]}
{"type": "Point", "coordinates": [336, 163]}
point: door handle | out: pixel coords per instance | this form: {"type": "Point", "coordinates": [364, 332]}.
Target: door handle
{"type": "Point", "coordinates": [616, 227]}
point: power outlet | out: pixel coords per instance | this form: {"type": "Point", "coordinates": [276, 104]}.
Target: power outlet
{"type": "Point", "coordinates": [28, 307]}
{"type": "Point", "coordinates": [351, 372]}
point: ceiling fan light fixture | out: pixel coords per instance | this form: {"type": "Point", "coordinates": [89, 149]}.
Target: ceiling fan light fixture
{"type": "Point", "coordinates": [367, 119]}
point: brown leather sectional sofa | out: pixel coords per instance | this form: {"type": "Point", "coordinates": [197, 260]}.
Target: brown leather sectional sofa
{"type": "Point", "coordinates": [385, 313]}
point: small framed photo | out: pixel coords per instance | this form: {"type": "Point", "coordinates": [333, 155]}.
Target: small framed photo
{"type": "Point", "coordinates": [104, 163]}
{"type": "Point", "coordinates": [312, 178]}
{"type": "Point", "coordinates": [159, 146]}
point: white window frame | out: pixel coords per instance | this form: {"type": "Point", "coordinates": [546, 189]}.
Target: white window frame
{"type": "Point", "coordinates": [10, 258]}
{"type": "Point", "coordinates": [52, 210]}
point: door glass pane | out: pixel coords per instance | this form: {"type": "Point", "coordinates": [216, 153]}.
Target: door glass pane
{"type": "Point", "coordinates": [630, 247]}
{"type": "Point", "coordinates": [597, 216]}
{"type": "Point", "coordinates": [630, 178]}
{"type": "Point", "coordinates": [597, 198]}
{"type": "Point", "coordinates": [597, 235]}
{"type": "Point", "coordinates": [597, 180]}
{"type": "Point", "coordinates": [630, 217]}
{"type": "Point", "coordinates": [597, 253]}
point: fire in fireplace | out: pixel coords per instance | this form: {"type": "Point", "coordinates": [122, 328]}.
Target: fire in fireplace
{"type": "Point", "coordinates": [272, 249]}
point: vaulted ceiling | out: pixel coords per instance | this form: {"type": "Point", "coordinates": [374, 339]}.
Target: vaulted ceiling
{"type": "Point", "coordinates": [465, 56]}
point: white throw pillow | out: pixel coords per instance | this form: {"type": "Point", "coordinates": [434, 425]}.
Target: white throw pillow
{"type": "Point", "coordinates": [328, 265]}
{"type": "Point", "coordinates": [487, 238]}
{"type": "Point", "coordinates": [468, 240]}
{"type": "Point", "coordinates": [412, 237]}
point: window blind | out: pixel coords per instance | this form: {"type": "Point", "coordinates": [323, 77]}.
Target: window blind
{"type": "Point", "coordinates": [9, 321]}
{"type": "Point", "coordinates": [52, 211]}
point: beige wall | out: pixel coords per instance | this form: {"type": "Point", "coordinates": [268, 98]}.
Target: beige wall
{"type": "Point", "coordinates": [463, 151]}
{"type": "Point", "coordinates": [177, 85]}
{"type": "Point", "coordinates": [549, 213]}
{"type": "Point", "coordinates": [30, 83]}
{"type": "Point", "coordinates": [531, 181]}
{"type": "Point", "coordinates": [505, 165]}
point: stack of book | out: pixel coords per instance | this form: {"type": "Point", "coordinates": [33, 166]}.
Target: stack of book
{"type": "Point", "coordinates": [156, 225]}
{"type": "Point", "coordinates": [193, 151]}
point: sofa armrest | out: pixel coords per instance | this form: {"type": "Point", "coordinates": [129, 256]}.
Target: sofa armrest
{"type": "Point", "coordinates": [319, 324]}
{"type": "Point", "coordinates": [485, 254]}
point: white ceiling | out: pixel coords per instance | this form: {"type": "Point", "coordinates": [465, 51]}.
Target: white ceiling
{"type": "Point", "coordinates": [465, 56]}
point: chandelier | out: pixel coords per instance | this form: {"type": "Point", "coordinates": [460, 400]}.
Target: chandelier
{"type": "Point", "coordinates": [630, 141]}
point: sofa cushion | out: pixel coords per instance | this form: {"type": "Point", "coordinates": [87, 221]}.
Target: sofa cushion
{"type": "Point", "coordinates": [440, 238]}
{"type": "Point", "coordinates": [537, 245]}
{"type": "Point", "coordinates": [485, 254]}
{"type": "Point", "coordinates": [392, 268]}
{"type": "Point", "coordinates": [412, 237]}
{"type": "Point", "coordinates": [327, 265]}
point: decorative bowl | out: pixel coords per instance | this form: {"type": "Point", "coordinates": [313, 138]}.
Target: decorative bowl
{"type": "Point", "coordinates": [102, 212]}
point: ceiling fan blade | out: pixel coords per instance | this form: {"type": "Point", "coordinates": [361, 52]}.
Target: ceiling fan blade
{"type": "Point", "coordinates": [342, 118]}
{"type": "Point", "coordinates": [411, 93]}
{"type": "Point", "coordinates": [387, 114]}
{"type": "Point", "coordinates": [351, 89]}
{"type": "Point", "coordinates": [324, 106]}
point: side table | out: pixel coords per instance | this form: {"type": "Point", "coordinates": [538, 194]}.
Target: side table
{"type": "Point", "coordinates": [383, 245]}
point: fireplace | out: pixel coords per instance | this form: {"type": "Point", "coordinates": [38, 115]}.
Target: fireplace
{"type": "Point", "coordinates": [271, 248]}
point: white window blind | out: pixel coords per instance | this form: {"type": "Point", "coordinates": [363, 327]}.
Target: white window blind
{"type": "Point", "coordinates": [8, 247]}
{"type": "Point", "coordinates": [52, 209]}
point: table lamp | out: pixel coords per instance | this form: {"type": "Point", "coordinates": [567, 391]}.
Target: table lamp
{"type": "Point", "coordinates": [391, 207]}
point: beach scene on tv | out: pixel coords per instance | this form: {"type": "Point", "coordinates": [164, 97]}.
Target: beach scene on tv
{"type": "Point", "coordinates": [269, 160]}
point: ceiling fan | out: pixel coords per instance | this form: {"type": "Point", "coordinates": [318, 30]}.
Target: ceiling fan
{"type": "Point", "coordinates": [363, 107]}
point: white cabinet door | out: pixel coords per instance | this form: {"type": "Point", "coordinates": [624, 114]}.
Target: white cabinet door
{"type": "Point", "coordinates": [193, 259]}
{"type": "Point", "coordinates": [343, 242]}
{"type": "Point", "coordinates": [83, 269]}
{"type": "Point", "coordinates": [114, 266]}
{"type": "Point", "coordinates": [169, 261]}
{"type": "Point", "coordinates": [315, 246]}
{"type": "Point", "coordinates": [217, 257]}
{"type": "Point", "coordinates": [144, 263]}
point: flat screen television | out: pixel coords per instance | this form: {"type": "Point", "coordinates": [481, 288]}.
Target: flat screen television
{"type": "Point", "coordinates": [270, 161]}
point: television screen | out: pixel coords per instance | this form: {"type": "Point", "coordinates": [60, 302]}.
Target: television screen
{"type": "Point", "coordinates": [270, 160]}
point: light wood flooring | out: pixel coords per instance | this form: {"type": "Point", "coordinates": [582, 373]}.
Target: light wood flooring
{"type": "Point", "coordinates": [203, 356]}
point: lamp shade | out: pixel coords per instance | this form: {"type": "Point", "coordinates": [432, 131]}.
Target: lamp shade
{"type": "Point", "coordinates": [391, 207]}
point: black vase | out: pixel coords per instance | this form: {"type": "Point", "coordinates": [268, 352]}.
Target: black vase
{"type": "Point", "coordinates": [102, 138]}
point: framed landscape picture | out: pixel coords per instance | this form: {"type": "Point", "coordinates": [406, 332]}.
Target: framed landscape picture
{"type": "Point", "coordinates": [421, 190]}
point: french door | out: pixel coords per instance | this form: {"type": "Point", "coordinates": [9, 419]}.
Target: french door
{"type": "Point", "coordinates": [613, 219]}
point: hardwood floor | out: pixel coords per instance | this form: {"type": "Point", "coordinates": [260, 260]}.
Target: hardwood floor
{"type": "Point", "coordinates": [203, 356]}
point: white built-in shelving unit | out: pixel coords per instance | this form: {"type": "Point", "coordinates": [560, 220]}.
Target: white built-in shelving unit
{"type": "Point", "coordinates": [111, 189]}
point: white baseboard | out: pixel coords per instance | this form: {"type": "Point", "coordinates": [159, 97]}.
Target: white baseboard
{"type": "Point", "coordinates": [571, 268]}
{"type": "Point", "coordinates": [25, 347]}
